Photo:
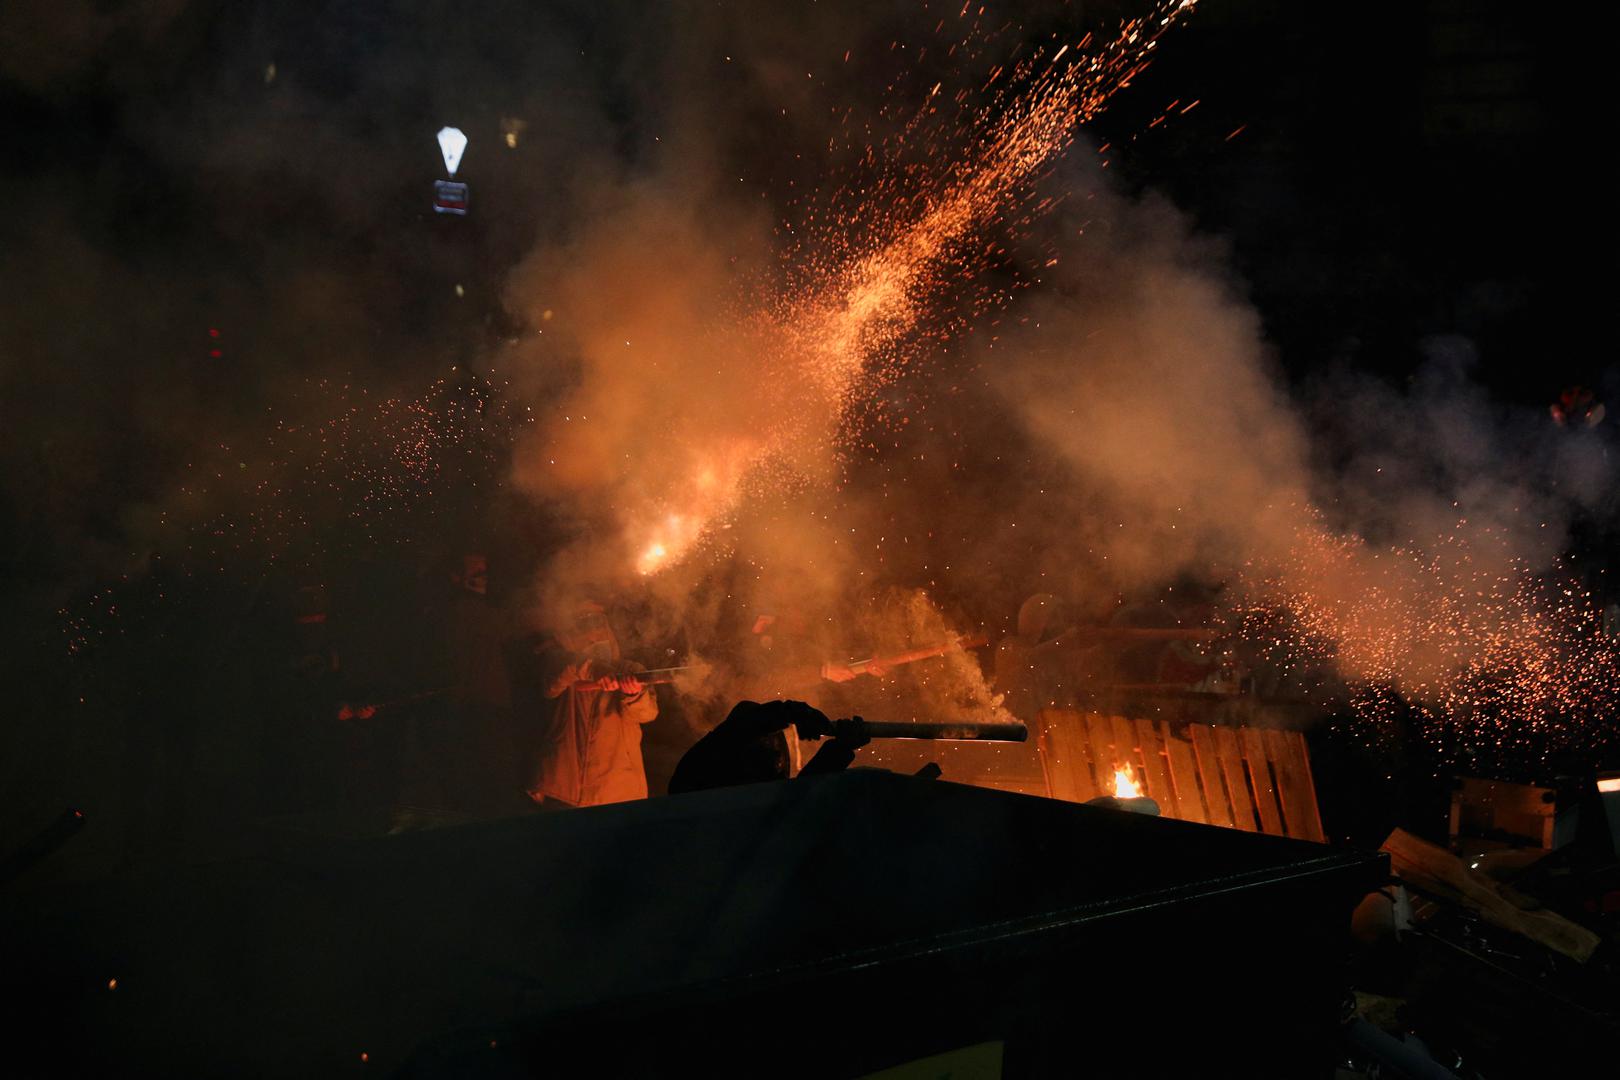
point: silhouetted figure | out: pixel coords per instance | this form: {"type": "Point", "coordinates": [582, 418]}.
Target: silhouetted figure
{"type": "Point", "coordinates": [750, 747]}
{"type": "Point", "coordinates": [464, 741]}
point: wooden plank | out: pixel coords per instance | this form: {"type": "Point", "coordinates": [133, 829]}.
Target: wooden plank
{"type": "Point", "coordinates": [1183, 765]}
{"type": "Point", "coordinates": [1265, 792]}
{"type": "Point", "coordinates": [1435, 870]}
{"type": "Point", "coordinates": [1054, 771]}
{"type": "Point", "coordinates": [1156, 768]}
{"type": "Point", "coordinates": [1101, 735]}
{"type": "Point", "coordinates": [1484, 808]}
{"type": "Point", "coordinates": [1295, 792]}
{"type": "Point", "coordinates": [1237, 779]}
{"type": "Point", "coordinates": [1065, 755]}
{"type": "Point", "coordinates": [1085, 788]}
{"type": "Point", "coordinates": [1217, 804]}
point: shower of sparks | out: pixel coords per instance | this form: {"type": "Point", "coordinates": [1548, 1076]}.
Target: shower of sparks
{"type": "Point", "coordinates": [871, 268]}
{"type": "Point", "coordinates": [373, 472]}
{"type": "Point", "coordinates": [1497, 663]}
{"type": "Point", "coordinates": [371, 464]}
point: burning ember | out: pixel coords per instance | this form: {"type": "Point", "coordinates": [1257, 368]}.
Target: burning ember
{"type": "Point", "coordinates": [1125, 785]}
{"type": "Point", "coordinates": [1493, 658]}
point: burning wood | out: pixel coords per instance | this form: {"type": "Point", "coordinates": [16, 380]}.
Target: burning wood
{"type": "Point", "coordinates": [1125, 786]}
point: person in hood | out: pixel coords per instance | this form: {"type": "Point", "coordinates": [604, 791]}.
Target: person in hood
{"type": "Point", "coordinates": [591, 752]}
{"type": "Point", "coordinates": [750, 746]}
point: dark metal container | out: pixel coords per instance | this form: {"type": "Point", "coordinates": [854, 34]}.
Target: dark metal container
{"type": "Point", "coordinates": [832, 927]}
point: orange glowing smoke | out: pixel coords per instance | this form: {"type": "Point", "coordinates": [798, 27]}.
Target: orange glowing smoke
{"type": "Point", "coordinates": [845, 330]}
{"type": "Point", "coordinates": [1125, 785]}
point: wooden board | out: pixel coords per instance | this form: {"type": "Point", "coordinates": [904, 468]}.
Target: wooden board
{"type": "Point", "coordinates": [1435, 870]}
{"type": "Point", "coordinates": [1101, 735]}
{"type": "Point", "coordinates": [1183, 766]}
{"type": "Point", "coordinates": [1250, 778]}
{"type": "Point", "coordinates": [1295, 791]}
{"type": "Point", "coordinates": [1265, 793]}
{"type": "Point", "coordinates": [1230, 754]}
{"type": "Point", "coordinates": [1156, 768]}
{"type": "Point", "coordinates": [1065, 755]}
{"type": "Point", "coordinates": [1217, 803]}
{"type": "Point", "coordinates": [1485, 808]}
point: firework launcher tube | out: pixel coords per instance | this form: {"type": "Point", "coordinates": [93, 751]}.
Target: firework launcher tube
{"type": "Point", "coordinates": [999, 731]}
{"type": "Point", "coordinates": [657, 677]}
{"type": "Point", "coordinates": [966, 641]}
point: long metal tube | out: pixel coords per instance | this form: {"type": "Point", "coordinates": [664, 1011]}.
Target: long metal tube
{"type": "Point", "coordinates": [890, 729]}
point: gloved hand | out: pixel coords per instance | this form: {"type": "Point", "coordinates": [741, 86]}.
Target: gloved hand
{"type": "Point", "coordinates": [807, 720]}
{"type": "Point", "coordinates": [610, 677]}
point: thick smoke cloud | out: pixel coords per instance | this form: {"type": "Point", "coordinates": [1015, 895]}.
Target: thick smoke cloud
{"type": "Point", "coordinates": [1142, 368]}
{"type": "Point", "coordinates": [1146, 434]}
{"type": "Point", "coordinates": [263, 171]}
{"type": "Point", "coordinates": [1415, 535]}
{"type": "Point", "coordinates": [238, 357]}
{"type": "Point", "coordinates": [225, 236]}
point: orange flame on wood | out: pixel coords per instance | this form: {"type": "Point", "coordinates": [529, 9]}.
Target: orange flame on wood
{"type": "Point", "coordinates": [1125, 785]}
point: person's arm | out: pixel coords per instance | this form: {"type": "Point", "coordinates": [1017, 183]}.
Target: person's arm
{"type": "Point", "coordinates": [560, 670]}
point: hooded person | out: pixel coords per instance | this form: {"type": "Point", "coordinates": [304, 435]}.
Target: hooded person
{"type": "Point", "coordinates": [754, 745]}
{"type": "Point", "coordinates": [784, 656]}
{"type": "Point", "coordinates": [591, 752]}
{"type": "Point", "coordinates": [1030, 663]}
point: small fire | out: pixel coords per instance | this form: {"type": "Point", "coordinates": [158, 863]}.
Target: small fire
{"type": "Point", "coordinates": [1125, 785]}
{"type": "Point", "coordinates": [712, 486]}
{"type": "Point", "coordinates": [672, 537]}
{"type": "Point", "coordinates": [652, 558]}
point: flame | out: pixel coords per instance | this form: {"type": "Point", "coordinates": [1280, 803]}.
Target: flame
{"type": "Point", "coordinates": [713, 486]}
{"type": "Point", "coordinates": [652, 558]}
{"type": "Point", "coordinates": [1125, 786]}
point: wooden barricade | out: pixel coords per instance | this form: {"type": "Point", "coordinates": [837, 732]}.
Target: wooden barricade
{"type": "Point", "coordinates": [1254, 779]}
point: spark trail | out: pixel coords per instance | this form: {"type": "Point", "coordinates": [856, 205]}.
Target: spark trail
{"type": "Point", "coordinates": [1499, 665]}
{"type": "Point", "coordinates": [854, 322]}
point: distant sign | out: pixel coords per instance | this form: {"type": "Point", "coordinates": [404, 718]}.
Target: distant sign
{"type": "Point", "coordinates": [449, 197]}
{"type": "Point", "coordinates": [451, 144]}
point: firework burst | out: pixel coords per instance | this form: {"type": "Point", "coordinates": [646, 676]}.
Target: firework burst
{"type": "Point", "coordinates": [1498, 663]}
{"type": "Point", "coordinates": [876, 261]}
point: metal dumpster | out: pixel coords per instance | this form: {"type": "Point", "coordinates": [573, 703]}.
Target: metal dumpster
{"type": "Point", "coordinates": [836, 927]}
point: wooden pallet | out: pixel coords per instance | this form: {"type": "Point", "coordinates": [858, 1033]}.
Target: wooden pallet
{"type": "Point", "coordinates": [1494, 810]}
{"type": "Point", "coordinates": [1254, 779]}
